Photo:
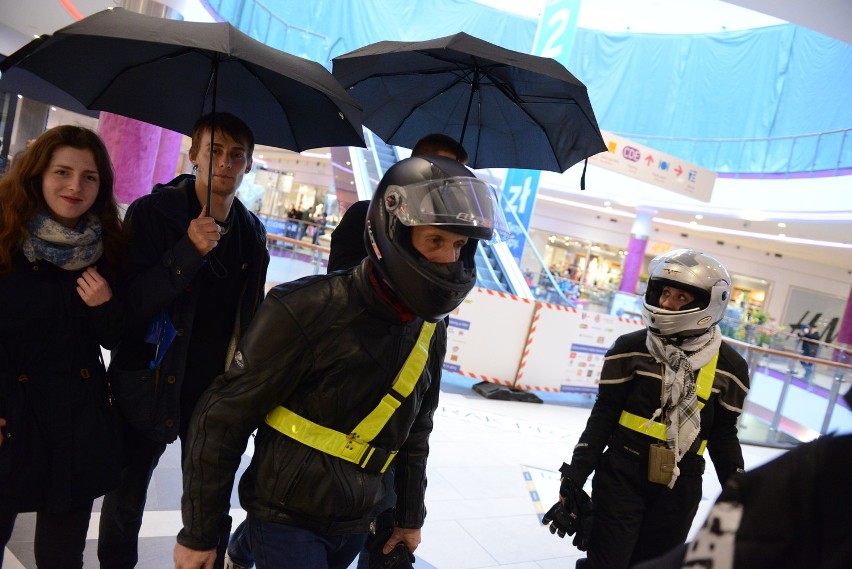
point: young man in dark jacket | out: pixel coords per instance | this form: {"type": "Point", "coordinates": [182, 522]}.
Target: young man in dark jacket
{"type": "Point", "coordinates": [197, 274]}
{"type": "Point", "coordinates": [340, 375]}
{"type": "Point", "coordinates": [666, 393]}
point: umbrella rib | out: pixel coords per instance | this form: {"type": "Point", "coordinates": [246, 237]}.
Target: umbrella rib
{"type": "Point", "coordinates": [417, 105]}
{"type": "Point", "coordinates": [274, 96]}
{"type": "Point", "coordinates": [115, 76]}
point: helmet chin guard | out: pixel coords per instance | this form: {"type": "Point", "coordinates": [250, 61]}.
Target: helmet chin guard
{"type": "Point", "coordinates": [697, 273]}
{"type": "Point", "coordinates": [432, 191]}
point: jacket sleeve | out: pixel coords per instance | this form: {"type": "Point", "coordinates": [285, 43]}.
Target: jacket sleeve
{"type": "Point", "coordinates": [158, 271]}
{"type": "Point", "coordinates": [272, 352]}
{"type": "Point", "coordinates": [410, 473]}
{"type": "Point", "coordinates": [616, 382]}
{"type": "Point", "coordinates": [108, 321]}
{"type": "Point", "coordinates": [732, 382]}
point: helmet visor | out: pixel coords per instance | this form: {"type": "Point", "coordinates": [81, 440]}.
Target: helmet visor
{"type": "Point", "coordinates": [462, 204]}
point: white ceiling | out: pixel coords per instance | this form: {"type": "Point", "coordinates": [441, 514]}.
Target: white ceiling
{"type": "Point", "coordinates": [814, 210]}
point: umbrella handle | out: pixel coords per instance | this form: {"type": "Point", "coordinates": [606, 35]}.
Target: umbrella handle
{"type": "Point", "coordinates": [214, 78]}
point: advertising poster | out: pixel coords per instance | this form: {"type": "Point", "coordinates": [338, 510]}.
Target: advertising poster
{"type": "Point", "coordinates": [566, 348]}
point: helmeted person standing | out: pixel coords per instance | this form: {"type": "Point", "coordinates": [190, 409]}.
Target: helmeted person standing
{"type": "Point", "coordinates": [340, 374]}
{"type": "Point", "coordinates": [667, 393]}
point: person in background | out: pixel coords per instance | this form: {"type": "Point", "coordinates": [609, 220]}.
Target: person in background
{"type": "Point", "coordinates": [61, 251]}
{"type": "Point", "coordinates": [319, 228]}
{"type": "Point", "coordinates": [810, 347]}
{"type": "Point", "coordinates": [347, 239]}
{"type": "Point", "coordinates": [340, 375]}
{"type": "Point", "coordinates": [666, 393]}
{"type": "Point", "coordinates": [196, 277]}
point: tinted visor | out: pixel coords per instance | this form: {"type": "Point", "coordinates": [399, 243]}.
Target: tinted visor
{"type": "Point", "coordinates": [461, 204]}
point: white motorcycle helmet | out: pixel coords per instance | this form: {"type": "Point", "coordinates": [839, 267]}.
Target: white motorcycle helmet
{"type": "Point", "coordinates": [692, 271]}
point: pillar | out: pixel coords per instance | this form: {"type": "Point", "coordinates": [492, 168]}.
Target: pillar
{"type": "Point", "coordinates": [142, 154]}
{"type": "Point", "coordinates": [844, 337]}
{"type": "Point", "coordinates": [635, 259]}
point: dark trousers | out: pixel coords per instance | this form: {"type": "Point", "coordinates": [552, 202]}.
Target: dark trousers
{"type": "Point", "coordinates": [59, 538]}
{"type": "Point", "coordinates": [635, 519]}
{"type": "Point", "coordinates": [122, 509]}
{"type": "Point", "coordinates": [275, 545]}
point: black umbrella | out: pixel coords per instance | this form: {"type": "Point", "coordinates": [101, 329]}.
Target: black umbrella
{"type": "Point", "coordinates": [170, 72]}
{"type": "Point", "coordinates": [508, 109]}
{"type": "Point", "coordinates": [33, 87]}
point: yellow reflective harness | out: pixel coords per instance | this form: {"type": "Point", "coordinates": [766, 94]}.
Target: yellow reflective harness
{"type": "Point", "coordinates": [703, 387]}
{"type": "Point", "coordinates": [354, 447]}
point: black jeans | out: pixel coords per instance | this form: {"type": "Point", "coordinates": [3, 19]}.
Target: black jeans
{"type": "Point", "coordinates": [122, 509]}
{"type": "Point", "coordinates": [59, 538]}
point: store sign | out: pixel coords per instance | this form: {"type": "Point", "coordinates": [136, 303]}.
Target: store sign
{"type": "Point", "coordinates": [655, 167]}
{"type": "Point", "coordinates": [519, 192]}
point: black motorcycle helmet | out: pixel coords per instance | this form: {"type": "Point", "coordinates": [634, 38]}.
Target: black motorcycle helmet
{"type": "Point", "coordinates": [429, 190]}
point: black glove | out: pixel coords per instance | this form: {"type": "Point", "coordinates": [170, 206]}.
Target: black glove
{"type": "Point", "coordinates": [573, 514]}
{"type": "Point", "coordinates": [399, 557]}
{"type": "Point", "coordinates": [585, 519]}
{"type": "Point", "coordinates": [560, 520]}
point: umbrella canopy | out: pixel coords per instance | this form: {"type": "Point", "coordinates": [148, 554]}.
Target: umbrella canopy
{"type": "Point", "coordinates": [34, 87]}
{"type": "Point", "coordinates": [508, 109]}
{"type": "Point", "coordinates": [169, 73]}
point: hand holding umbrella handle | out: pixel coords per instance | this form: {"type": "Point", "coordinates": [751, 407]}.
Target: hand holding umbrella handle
{"type": "Point", "coordinates": [203, 231]}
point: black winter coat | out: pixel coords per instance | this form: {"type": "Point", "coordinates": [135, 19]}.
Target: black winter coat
{"type": "Point", "coordinates": [61, 447]}
{"type": "Point", "coordinates": [163, 266]}
{"type": "Point", "coordinates": [328, 348]}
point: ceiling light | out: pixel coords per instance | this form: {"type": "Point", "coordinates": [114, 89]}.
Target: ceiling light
{"type": "Point", "coordinates": [699, 216]}
{"type": "Point", "coordinates": [782, 224]}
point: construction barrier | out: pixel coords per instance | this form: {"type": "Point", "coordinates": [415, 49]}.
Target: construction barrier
{"type": "Point", "coordinates": [503, 339]}
{"type": "Point", "coordinates": [487, 334]}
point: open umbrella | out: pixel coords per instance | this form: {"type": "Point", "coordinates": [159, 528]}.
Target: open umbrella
{"type": "Point", "coordinates": [33, 87]}
{"type": "Point", "coordinates": [508, 109]}
{"type": "Point", "coordinates": [170, 72]}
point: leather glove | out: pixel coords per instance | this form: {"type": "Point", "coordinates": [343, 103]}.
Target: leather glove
{"type": "Point", "coordinates": [585, 521]}
{"type": "Point", "coordinates": [399, 557]}
{"type": "Point", "coordinates": [561, 522]}
{"type": "Point", "coordinates": [573, 514]}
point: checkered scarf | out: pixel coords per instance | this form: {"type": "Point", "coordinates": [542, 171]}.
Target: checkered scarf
{"type": "Point", "coordinates": [679, 403]}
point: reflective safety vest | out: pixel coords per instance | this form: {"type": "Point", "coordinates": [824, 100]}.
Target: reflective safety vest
{"type": "Point", "coordinates": [703, 388]}
{"type": "Point", "coordinates": [355, 446]}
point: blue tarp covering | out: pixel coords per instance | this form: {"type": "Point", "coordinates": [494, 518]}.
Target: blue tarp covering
{"type": "Point", "coordinates": [734, 102]}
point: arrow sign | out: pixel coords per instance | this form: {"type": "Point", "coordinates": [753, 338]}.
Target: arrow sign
{"type": "Point", "coordinates": [678, 170]}
{"type": "Point", "coordinates": [649, 160]}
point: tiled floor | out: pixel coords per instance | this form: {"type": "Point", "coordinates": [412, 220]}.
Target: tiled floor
{"type": "Point", "coordinates": [492, 470]}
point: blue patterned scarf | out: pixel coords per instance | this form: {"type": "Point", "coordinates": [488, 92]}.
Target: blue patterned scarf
{"type": "Point", "coordinates": [69, 249]}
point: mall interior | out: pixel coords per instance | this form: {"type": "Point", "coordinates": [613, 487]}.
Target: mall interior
{"type": "Point", "coordinates": [750, 95]}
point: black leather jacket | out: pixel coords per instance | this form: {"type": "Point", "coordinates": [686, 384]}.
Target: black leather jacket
{"type": "Point", "coordinates": [328, 348]}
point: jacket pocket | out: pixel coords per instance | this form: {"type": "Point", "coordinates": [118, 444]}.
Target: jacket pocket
{"type": "Point", "coordinates": [135, 395]}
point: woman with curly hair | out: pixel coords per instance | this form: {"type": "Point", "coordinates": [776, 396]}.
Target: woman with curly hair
{"type": "Point", "coordinates": [60, 254]}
